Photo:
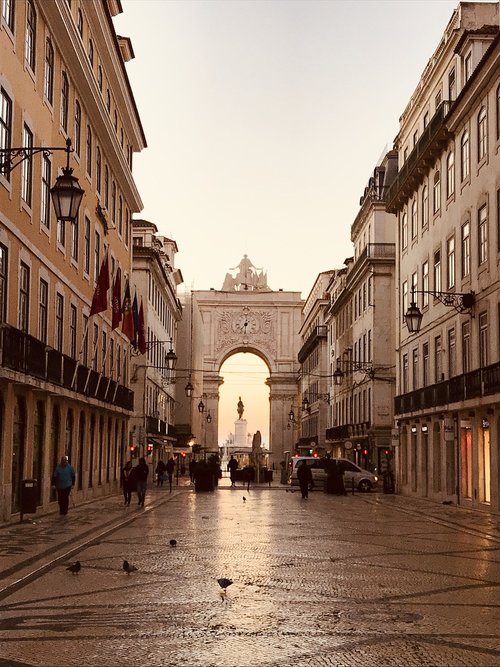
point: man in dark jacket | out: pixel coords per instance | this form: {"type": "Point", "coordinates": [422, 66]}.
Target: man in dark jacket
{"type": "Point", "coordinates": [170, 467]}
{"type": "Point", "coordinates": [141, 473]}
{"type": "Point", "coordinates": [304, 475]}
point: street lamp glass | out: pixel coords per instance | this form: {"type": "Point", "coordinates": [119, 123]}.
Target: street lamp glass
{"type": "Point", "coordinates": [66, 196]}
{"type": "Point", "coordinates": [189, 390]}
{"type": "Point", "coordinates": [338, 376]}
{"type": "Point", "coordinates": [413, 318]}
{"type": "Point", "coordinates": [201, 407]}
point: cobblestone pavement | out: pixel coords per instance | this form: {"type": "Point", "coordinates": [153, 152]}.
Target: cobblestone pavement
{"type": "Point", "coordinates": [330, 581]}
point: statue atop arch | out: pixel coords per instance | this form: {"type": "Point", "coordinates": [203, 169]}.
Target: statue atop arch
{"type": "Point", "coordinates": [247, 278]}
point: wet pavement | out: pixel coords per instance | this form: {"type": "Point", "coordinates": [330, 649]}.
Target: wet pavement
{"type": "Point", "coordinates": [363, 579]}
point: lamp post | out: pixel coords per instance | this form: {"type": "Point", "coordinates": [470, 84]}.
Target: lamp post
{"type": "Point", "coordinates": [66, 193]}
{"type": "Point", "coordinates": [462, 302]}
{"type": "Point", "coordinates": [361, 366]}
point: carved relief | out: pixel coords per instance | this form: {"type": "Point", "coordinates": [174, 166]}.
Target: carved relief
{"type": "Point", "coordinates": [250, 327]}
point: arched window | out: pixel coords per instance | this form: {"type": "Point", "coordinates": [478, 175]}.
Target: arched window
{"type": "Point", "coordinates": [18, 450]}
{"type": "Point", "coordinates": [91, 53]}
{"type": "Point", "coordinates": [99, 78]}
{"type": "Point", "coordinates": [30, 38]}
{"type": "Point", "coordinates": [78, 128]}
{"type": "Point", "coordinates": [79, 22]}
{"type": "Point", "coordinates": [450, 174]}
{"type": "Point", "coordinates": [49, 71]}
{"type": "Point", "coordinates": [464, 156]}
{"type": "Point", "coordinates": [64, 101]}
{"type": "Point", "coordinates": [436, 193]}
{"type": "Point", "coordinates": [482, 136]}
{"type": "Point", "coordinates": [88, 165]}
{"type": "Point", "coordinates": [425, 206]}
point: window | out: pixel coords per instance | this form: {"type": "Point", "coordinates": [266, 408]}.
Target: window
{"type": "Point", "coordinates": [452, 92]}
{"type": "Point", "coordinates": [86, 246]}
{"type": "Point", "coordinates": [426, 119]}
{"type": "Point", "coordinates": [414, 219]}
{"type": "Point", "coordinates": [115, 120]}
{"type": "Point", "coordinates": [438, 370]}
{"type": "Point", "coordinates": [74, 240]}
{"type": "Point", "coordinates": [98, 169]}
{"type": "Point", "coordinates": [437, 100]}
{"type": "Point", "coordinates": [61, 233]}
{"type": "Point", "coordinates": [45, 193]}
{"type": "Point", "coordinates": [483, 339]}
{"type": "Point", "coordinates": [24, 297]}
{"type": "Point", "coordinates": [85, 348]}
{"type": "Point", "coordinates": [452, 353]}
{"type": "Point", "coordinates": [103, 352]}
{"type": "Point", "coordinates": [425, 363]}
{"type": "Point", "coordinates": [99, 78]}
{"type": "Point", "coordinates": [5, 125]}
{"type": "Point", "coordinates": [8, 7]}
{"type": "Point", "coordinates": [113, 203]}
{"type": "Point", "coordinates": [88, 164]}
{"type": "Point", "coordinates": [106, 187]}
{"type": "Point", "coordinates": [108, 100]}
{"type": "Point", "coordinates": [467, 67]}
{"type": "Point", "coordinates": [404, 230]}
{"type": "Point", "coordinates": [437, 271]}
{"type": "Point", "coordinates": [78, 128]}
{"type": "Point", "coordinates": [450, 174]}
{"type": "Point", "coordinates": [414, 363]}
{"type": "Point", "coordinates": [120, 215]}
{"type": "Point", "coordinates": [405, 374]}
{"type": "Point", "coordinates": [465, 347]}
{"type": "Point", "coordinates": [95, 341]}
{"type": "Point", "coordinates": [425, 207]}
{"type": "Point", "coordinates": [3, 282]}
{"type": "Point", "coordinates": [450, 256]}
{"type": "Point", "coordinates": [48, 87]}
{"type": "Point", "coordinates": [498, 113]}
{"type": "Point", "coordinates": [27, 168]}
{"type": "Point", "coordinates": [30, 41]}
{"type": "Point", "coordinates": [72, 330]}
{"type": "Point", "coordinates": [404, 294]}
{"type": "Point", "coordinates": [64, 101]}
{"type": "Point", "coordinates": [482, 233]}
{"type": "Point", "coordinates": [91, 53]}
{"type": "Point", "coordinates": [58, 342]}
{"type": "Point", "coordinates": [97, 256]}
{"type": "Point", "coordinates": [43, 311]}
{"type": "Point", "coordinates": [436, 192]}
{"type": "Point", "coordinates": [425, 284]}
{"type": "Point", "coordinates": [464, 156]}
{"type": "Point", "coordinates": [79, 22]}
{"type": "Point", "coordinates": [415, 138]}
{"type": "Point", "coordinates": [127, 226]}
{"type": "Point", "coordinates": [465, 249]}
{"type": "Point", "coordinates": [482, 137]}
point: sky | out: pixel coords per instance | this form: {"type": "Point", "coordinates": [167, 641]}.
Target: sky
{"type": "Point", "coordinates": [264, 121]}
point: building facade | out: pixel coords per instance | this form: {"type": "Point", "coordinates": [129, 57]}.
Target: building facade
{"type": "Point", "coordinates": [156, 279]}
{"type": "Point", "coordinates": [63, 372]}
{"type": "Point", "coordinates": [447, 199]}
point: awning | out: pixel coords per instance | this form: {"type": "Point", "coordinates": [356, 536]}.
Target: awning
{"type": "Point", "coordinates": [162, 441]}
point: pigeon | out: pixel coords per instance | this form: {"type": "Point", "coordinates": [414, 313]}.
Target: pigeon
{"type": "Point", "coordinates": [244, 499]}
{"type": "Point", "coordinates": [128, 567]}
{"type": "Point", "coordinates": [224, 583]}
{"type": "Point", "coordinates": [75, 567]}
{"type": "Point", "coordinates": [173, 543]}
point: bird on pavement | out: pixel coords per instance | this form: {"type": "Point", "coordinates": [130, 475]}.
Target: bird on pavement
{"type": "Point", "coordinates": [224, 583]}
{"type": "Point", "coordinates": [75, 567]}
{"type": "Point", "coordinates": [244, 499]}
{"type": "Point", "coordinates": [173, 543]}
{"type": "Point", "coordinates": [128, 567]}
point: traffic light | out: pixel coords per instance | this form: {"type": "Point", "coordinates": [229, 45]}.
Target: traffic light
{"type": "Point", "coordinates": [150, 448]}
{"type": "Point", "coordinates": [134, 451]}
{"type": "Point", "coordinates": [365, 452]}
{"type": "Point", "coordinates": [183, 454]}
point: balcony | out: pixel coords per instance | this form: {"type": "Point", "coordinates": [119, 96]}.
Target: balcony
{"type": "Point", "coordinates": [412, 173]}
{"type": "Point", "coordinates": [476, 384]}
{"type": "Point", "coordinates": [312, 341]}
{"type": "Point", "coordinates": [23, 353]}
{"type": "Point", "coordinates": [374, 252]}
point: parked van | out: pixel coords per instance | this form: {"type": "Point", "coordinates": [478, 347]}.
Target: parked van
{"type": "Point", "coordinates": [363, 480]}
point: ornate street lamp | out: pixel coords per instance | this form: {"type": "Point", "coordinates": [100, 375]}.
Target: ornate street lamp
{"type": "Point", "coordinates": [462, 302]}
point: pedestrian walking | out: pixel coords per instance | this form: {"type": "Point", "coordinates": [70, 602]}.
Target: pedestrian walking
{"type": "Point", "coordinates": [304, 475]}
{"type": "Point", "coordinates": [127, 482]}
{"type": "Point", "coordinates": [170, 467]}
{"type": "Point", "coordinates": [141, 472]}
{"type": "Point", "coordinates": [335, 478]}
{"type": "Point", "coordinates": [160, 473]}
{"type": "Point", "coordinates": [232, 466]}
{"type": "Point", "coordinates": [192, 470]}
{"type": "Point", "coordinates": [64, 480]}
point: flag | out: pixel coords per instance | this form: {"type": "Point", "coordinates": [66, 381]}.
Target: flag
{"type": "Point", "coordinates": [128, 320]}
{"type": "Point", "coordinates": [116, 300]}
{"type": "Point", "coordinates": [141, 339]}
{"type": "Point", "coordinates": [135, 315]}
{"type": "Point", "coordinates": [100, 298]}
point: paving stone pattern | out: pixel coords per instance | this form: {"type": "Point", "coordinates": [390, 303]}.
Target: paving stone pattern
{"type": "Point", "coordinates": [329, 581]}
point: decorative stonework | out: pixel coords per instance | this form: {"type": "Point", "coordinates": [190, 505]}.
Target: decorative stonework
{"type": "Point", "coordinates": [247, 327]}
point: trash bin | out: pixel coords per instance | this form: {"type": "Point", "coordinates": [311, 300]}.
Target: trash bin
{"type": "Point", "coordinates": [29, 496]}
{"type": "Point", "coordinates": [268, 476]}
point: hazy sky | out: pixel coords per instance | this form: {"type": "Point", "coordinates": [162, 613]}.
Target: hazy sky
{"type": "Point", "coordinates": [264, 120]}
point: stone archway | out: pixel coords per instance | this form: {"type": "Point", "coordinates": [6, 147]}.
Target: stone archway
{"type": "Point", "coordinates": [250, 317]}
